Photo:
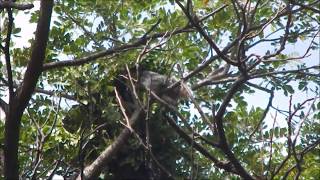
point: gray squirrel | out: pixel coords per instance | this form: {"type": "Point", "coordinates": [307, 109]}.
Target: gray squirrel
{"type": "Point", "coordinates": [159, 83]}
{"type": "Point", "coordinates": [150, 81]}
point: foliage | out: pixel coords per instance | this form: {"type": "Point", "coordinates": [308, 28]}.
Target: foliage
{"type": "Point", "coordinates": [253, 110]}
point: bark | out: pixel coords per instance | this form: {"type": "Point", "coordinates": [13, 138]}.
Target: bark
{"type": "Point", "coordinates": [24, 92]}
{"type": "Point", "coordinates": [223, 142]}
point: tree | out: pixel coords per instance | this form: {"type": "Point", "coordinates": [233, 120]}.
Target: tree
{"type": "Point", "coordinates": [64, 117]}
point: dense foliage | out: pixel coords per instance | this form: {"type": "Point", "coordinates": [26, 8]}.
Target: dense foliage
{"type": "Point", "coordinates": [251, 69]}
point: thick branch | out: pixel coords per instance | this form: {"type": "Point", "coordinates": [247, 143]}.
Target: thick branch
{"type": "Point", "coordinates": [219, 122]}
{"type": "Point", "coordinates": [94, 169]}
{"type": "Point", "coordinates": [23, 95]}
{"type": "Point", "coordinates": [123, 48]}
{"type": "Point", "coordinates": [37, 55]}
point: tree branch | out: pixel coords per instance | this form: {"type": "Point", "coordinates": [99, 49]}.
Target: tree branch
{"type": "Point", "coordinates": [123, 48]}
{"type": "Point", "coordinates": [266, 109]}
{"type": "Point", "coordinates": [37, 55]}
{"type": "Point", "coordinates": [11, 4]}
{"type": "Point", "coordinates": [307, 6]}
{"type": "Point", "coordinates": [222, 137]}
{"type": "Point", "coordinates": [7, 53]}
{"type": "Point", "coordinates": [24, 92]}
{"type": "Point", "coordinates": [43, 91]}
{"type": "Point", "coordinates": [94, 169]}
{"type": "Point", "coordinates": [220, 164]}
{"type": "Point", "coordinates": [195, 22]}
{"type": "Point", "coordinates": [259, 75]}
{"type": "Point", "coordinates": [4, 106]}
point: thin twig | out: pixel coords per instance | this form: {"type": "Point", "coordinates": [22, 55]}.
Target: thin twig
{"type": "Point", "coordinates": [271, 143]}
{"type": "Point", "coordinates": [195, 22]}
{"type": "Point", "coordinates": [266, 109]}
{"type": "Point", "coordinates": [153, 27]}
{"type": "Point", "coordinates": [123, 110]}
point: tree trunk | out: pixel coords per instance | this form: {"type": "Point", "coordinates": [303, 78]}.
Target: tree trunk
{"type": "Point", "coordinates": [19, 101]}
{"type": "Point", "coordinates": [12, 131]}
